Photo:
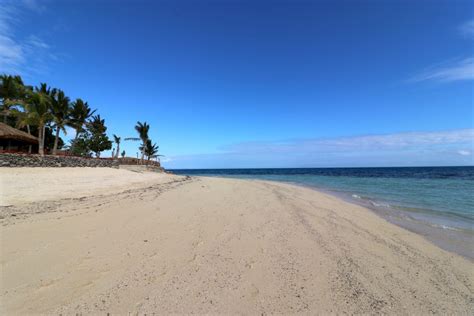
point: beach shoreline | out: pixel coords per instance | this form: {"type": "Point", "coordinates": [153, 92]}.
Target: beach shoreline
{"type": "Point", "coordinates": [174, 244]}
{"type": "Point", "coordinates": [459, 242]}
{"type": "Point", "coordinates": [452, 234]}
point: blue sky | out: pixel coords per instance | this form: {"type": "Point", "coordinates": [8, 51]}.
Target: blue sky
{"type": "Point", "coordinates": [261, 84]}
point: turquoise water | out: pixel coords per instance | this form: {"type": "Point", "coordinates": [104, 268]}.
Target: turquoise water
{"type": "Point", "coordinates": [437, 202]}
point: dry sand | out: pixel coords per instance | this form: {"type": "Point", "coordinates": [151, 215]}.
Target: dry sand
{"type": "Point", "coordinates": [168, 244]}
{"type": "Point", "coordinates": [28, 185]}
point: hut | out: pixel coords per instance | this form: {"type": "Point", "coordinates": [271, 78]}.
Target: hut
{"type": "Point", "coordinates": [14, 140]}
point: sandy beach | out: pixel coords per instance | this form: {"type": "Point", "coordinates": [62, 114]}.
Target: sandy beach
{"type": "Point", "coordinates": [101, 240]}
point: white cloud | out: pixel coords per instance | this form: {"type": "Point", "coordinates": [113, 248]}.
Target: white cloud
{"type": "Point", "coordinates": [11, 54]}
{"type": "Point", "coordinates": [374, 143]}
{"type": "Point", "coordinates": [396, 149]}
{"type": "Point", "coordinates": [6, 18]}
{"type": "Point", "coordinates": [454, 70]}
{"type": "Point", "coordinates": [448, 72]}
{"type": "Point", "coordinates": [21, 55]}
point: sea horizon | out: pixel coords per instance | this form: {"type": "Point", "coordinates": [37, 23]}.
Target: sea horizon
{"type": "Point", "coordinates": [236, 168]}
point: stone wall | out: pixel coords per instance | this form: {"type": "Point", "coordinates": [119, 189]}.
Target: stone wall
{"type": "Point", "coordinates": [23, 160]}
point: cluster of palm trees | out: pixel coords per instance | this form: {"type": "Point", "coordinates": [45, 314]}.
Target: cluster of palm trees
{"type": "Point", "coordinates": [42, 107]}
{"type": "Point", "coordinates": [147, 148]}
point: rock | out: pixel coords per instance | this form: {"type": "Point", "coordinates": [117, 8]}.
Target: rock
{"type": "Point", "coordinates": [24, 160]}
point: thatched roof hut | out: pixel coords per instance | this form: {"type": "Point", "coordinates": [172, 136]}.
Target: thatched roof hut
{"type": "Point", "coordinates": [10, 133]}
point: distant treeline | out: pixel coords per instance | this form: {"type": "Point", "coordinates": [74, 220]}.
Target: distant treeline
{"type": "Point", "coordinates": [44, 112]}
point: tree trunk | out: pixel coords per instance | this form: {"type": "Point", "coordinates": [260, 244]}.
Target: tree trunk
{"type": "Point", "coordinates": [44, 135]}
{"type": "Point", "coordinates": [5, 118]}
{"type": "Point", "coordinates": [118, 151]}
{"type": "Point", "coordinates": [40, 140]}
{"type": "Point", "coordinates": [29, 132]}
{"type": "Point", "coordinates": [55, 147]}
{"type": "Point", "coordinates": [143, 153]}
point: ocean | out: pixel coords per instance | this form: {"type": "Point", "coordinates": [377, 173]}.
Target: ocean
{"type": "Point", "coordinates": [436, 202]}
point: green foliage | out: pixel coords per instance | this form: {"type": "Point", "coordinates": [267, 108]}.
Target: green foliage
{"type": "Point", "coordinates": [37, 107]}
{"type": "Point", "coordinates": [12, 93]}
{"type": "Point", "coordinates": [11, 88]}
{"type": "Point", "coordinates": [92, 139]}
{"type": "Point", "coordinates": [60, 108]}
{"type": "Point", "coordinates": [116, 139]}
{"type": "Point", "coordinates": [150, 150]}
{"type": "Point", "coordinates": [80, 146]}
{"type": "Point", "coordinates": [45, 112]}
{"type": "Point", "coordinates": [142, 129]}
{"type": "Point", "coordinates": [99, 142]}
{"type": "Point", "coordinates": [80, 113]}
{"type": "Point", "coordinates": [38, 110]}
{"type": "Point", "coordinates": [49, 139]}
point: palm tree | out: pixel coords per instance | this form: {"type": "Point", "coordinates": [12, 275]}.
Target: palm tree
{"type": "Point", "coordinates": [12, 92]}
{"type": "Point", "coordinates": [22, 120]}
{"type": "Point", "coordinates": [43, 88]}
{"type": "Point", "coordinates": [142, 129]}
{"type": "Point", "coordinates": [80, 113]}
{"type": "Point", "coordinates": [117, 141]}
{"type": "Point", "coordinates": [150, 150]}
{"type": "Point", "coordinates": [61, 111]}
{"type": "Point", "coordinates": [37, 108]}
{"type": "Point", "coordinates": [97, 123]}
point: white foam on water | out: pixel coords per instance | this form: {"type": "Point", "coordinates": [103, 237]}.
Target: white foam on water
{"type": "Point", "coordinates": [380, 204]}
{"type": "Point", "coordinates": [445, 227]}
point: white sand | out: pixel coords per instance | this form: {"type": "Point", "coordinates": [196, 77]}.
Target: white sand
{"type": "Point", "coordinates": [26, 185]}
{"type": "Point", "coordinates": [172, 245]}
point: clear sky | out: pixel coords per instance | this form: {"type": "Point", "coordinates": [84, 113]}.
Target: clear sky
{"type": "Point", "coordinates": [261, 83]}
